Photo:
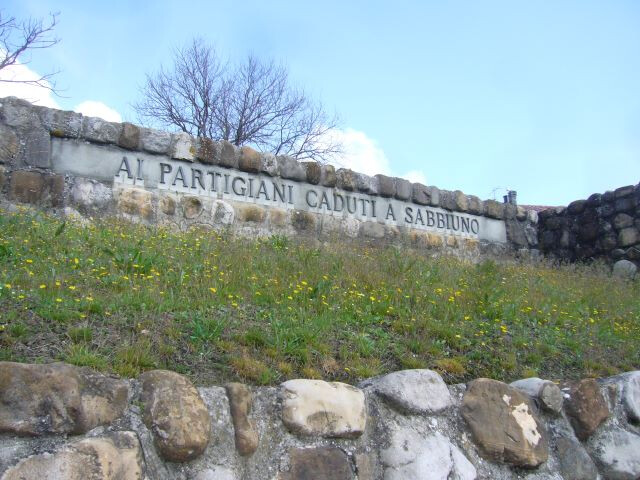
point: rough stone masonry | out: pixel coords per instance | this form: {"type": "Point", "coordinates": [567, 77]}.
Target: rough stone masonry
{"type": "Point", "coordinates": [62, 422]}
{"type": "Point", "coordinates": [84, 166]}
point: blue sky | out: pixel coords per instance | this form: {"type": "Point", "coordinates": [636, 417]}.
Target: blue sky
{"type": "Point", "coordinates": [542, 96]}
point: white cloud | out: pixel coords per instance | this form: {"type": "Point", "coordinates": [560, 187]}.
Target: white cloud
{"type": "Point", "coordinates": [92, 108]}
{"type": "Point", "coordinates": [43, 96]}
{"type": "Point", "coordinates": [363, 154]}
{"type": "Point", "coordinates": [33, 93]}
{"type": "Point", "coordinates": [415, 176]}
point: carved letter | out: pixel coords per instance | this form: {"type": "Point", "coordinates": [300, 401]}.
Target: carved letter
{"type": "Point", "coordinates": [164, 169]}
{"type": "Point", "coordinates": [465, 224]}
{"type": "Point", "coordinates": [455, 222]}
{"type": "Point", "coordinates": [139, 170]}
{"type": "Point", "coordinates": [196, 174]}
{"type": "Point", "coordinates": [277, 192]}
{"type": "Point", "coordinates": [243, 190]}
{"type": "Point", "coordinates": [355, 205]}
{"type": "Point", "coordinates": [316, 198]}
{"type": "Point", "coordinates": [409, 215]}
{"type": "Point", "coordinates": [262, 189]}
{"type": "Point", "coordinates": [124, 167]}
{"type": "Point", "coordinates": [390, 212]}
{"type": "Point", "coordinates": [431, 219]}
{"type": "Point", "coordinates": [324, 201]}
{"type": "Point", "coordinates": [179, 176]}
{"type": "Point", "coordinates": [364, 202]}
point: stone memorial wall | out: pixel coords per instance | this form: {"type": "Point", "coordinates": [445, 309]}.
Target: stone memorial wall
{"type": "Point", "coordinates": [90, 167]}
{"type": "Point", "coordinates": [62, 422]}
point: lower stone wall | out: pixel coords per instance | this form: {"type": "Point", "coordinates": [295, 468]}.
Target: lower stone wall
{"type": "Point", "coordinates": [58, 421]}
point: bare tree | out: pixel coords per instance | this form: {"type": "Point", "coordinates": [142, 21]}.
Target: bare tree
{"type": "Point", "coordinates": [19, 38]}
{"type": "Point", "coordinates": [251, 103]}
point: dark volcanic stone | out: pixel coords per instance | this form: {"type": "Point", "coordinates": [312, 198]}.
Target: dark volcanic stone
{"type": "Point", "coordinates": [626, 204]}
{"type": "Point", "coordinates": [588, 232]}
{"type": "Point", "coordinates": [624, 191]}
{"type": "Point", "coordinates": [577, 207]}
{"type": "Point", "coordinates": [594, 200]}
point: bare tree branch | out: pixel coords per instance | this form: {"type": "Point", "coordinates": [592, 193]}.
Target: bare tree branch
{"type": "Point", "coordinates": [19, 39]}
{"type": "Point", "coordinates": [250, 103]}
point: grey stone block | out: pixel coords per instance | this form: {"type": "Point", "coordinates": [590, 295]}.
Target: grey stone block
{"type": "Point", "coordinates": [403, 189]}
{"type": "Point", "coordinates": [420, 194]}
{"type": "Point", "coordinates": [291, 169]}
{"type": "Point", "coordinates": [314, 172]}
{"type": "Point", "coordinates": [434, 196]}
{"type": "Point", "coordinates": [207, 151]}
{"type": "Point", "coordinates": [37, 148]}
{"type": "Point", "coordinates": [16, 112]}
{"type": "Point", "coordinates": [183, 147]}
{"type": "Point", "coordinates": [129, 137]}
{"type": "Point", "coordinates": [9, 144]}
{"type": "Point", "coordinates": [61, 124]}
{"type": "Point", "coordinates": [228, 154]}
{"type": "Point", "coordinates": [269, 165]}
{"type": "Point", "coordinates": [475, 205]}
{"type": "Point", "coordinates": [328, 176]}
{"type": "Point", "coordinates": [154, 141]}
{"type": "Point", "coordinates": [100, 131]}
{"type": "Point", "coordinates": [447, 200]}
{"type": "Point", "coordinates": [346, 179]}
{"type": "Point", "coordinates": [386, 185]}
{"type": "Point", "coordinates": [460, 201]}
{"type": "Point", "coordinates": [494, 209]}
{"type": "Point", "coordinates": [250, 160]}
{"type": "Point", "coordinates": [365, 183]}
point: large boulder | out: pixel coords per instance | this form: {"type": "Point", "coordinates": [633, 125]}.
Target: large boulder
{"type": "Point", "coordinates": [116, 456]}
{"type": "Point", "coordinates": [575, 462]}
{"type": "Point", "coordinates": [631, 395]}
{"type": "Point", "coordinates": [412, 391]}
{"type": "Point", "coordinates": [586, 407]}
{"type": "Point", "coordinates": [504, 424]}
{"type": "Point", "coordinates": [411, 456]}
{"type": "Point", "coordinates": [624, 269]}
{"type": "Point", "coordinates": [616, 451]}
{"type": "Point", "coordinates": [57, 398]}
{"type": "Point", "coordinates": [175, 414]}
{"type": "Point", "coordinates": [328, 409]}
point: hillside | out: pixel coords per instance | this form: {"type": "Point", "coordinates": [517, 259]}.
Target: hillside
{"type": "Point", "coordinates": [124, 298]}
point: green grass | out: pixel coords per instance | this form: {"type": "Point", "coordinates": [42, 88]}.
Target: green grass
{"type": "Point", "coordinates": [126, 298]}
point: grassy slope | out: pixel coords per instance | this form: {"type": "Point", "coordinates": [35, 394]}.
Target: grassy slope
{"type": "Point", "coordinates": [126, 298]}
